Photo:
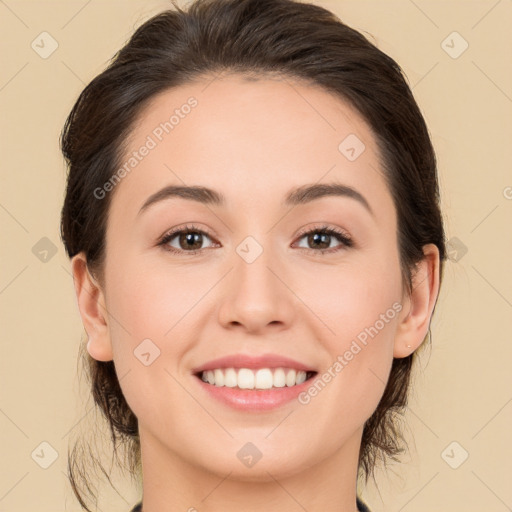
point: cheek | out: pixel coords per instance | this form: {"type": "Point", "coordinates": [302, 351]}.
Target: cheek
{"type": "Point", "coordinates": [360, 312]}
{"type": "Point", "coordinates": [152, 315]}
{"type": "Point", "coordinates": [352, 298]}
{"type": "Point", "coordinates": [152, 302]}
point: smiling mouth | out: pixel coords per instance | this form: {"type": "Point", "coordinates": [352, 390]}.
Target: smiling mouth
{"type": "Point", "coordinates": [255, 379]}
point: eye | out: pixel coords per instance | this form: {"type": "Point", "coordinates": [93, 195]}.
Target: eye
{"type": "Point", "coordinates": [320, 238]}
{"type": "Point", "coordinates": [189, 240]}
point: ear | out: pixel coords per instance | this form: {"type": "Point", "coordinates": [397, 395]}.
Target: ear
{"type": "Point", "coordinates": [419, 304]}
{"type": "Point", "coordinates": [91, 303]}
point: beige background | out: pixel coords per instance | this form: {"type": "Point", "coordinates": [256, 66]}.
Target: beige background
{"type": "Point", "coordinates": [463, 390]}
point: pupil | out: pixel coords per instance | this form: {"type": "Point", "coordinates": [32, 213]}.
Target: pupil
{"type": "Point", "coordinates": [317, 237]}
{"type": "Point", "coordinates": [190, 238]}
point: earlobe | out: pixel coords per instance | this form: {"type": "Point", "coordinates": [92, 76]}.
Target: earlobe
{"type": "Point", "coordinates": [413, 326]}
{"type": "Point", "coordinates": [91, 304]}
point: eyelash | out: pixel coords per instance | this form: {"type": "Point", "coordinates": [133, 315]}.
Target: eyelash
{"type": "Point", "coordinates": [340, 235]}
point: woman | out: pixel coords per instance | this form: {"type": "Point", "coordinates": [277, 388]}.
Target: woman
{"type": "Point", "coordinates": [252, 216]}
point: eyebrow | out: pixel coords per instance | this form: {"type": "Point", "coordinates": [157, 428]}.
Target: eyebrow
{"type": "Point", "coordinates": [301, 195]}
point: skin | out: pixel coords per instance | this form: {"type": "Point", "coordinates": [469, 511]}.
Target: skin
{"type": "Point", "coordinates": [252, 140]}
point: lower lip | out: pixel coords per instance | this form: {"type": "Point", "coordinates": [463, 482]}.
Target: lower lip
{"type": "Point", "coordinates": [255, 399]}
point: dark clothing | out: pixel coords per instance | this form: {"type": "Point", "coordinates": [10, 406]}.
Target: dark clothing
{"type": "Point", "coordinates": [360, 506]}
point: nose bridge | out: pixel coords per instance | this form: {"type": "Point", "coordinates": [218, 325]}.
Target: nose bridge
{"type": "Point", "coordinates": [253, 280]}
{"type": "Point", "coordinates": [255, 296]}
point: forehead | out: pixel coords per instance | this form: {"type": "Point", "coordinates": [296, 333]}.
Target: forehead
{"type": "Point", "coordinates": [253, 139]}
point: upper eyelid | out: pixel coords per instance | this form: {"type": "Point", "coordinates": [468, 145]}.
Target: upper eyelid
{"type": "Point", "coordinates": [324, 227]}
{"type": "Point", "coordinates": [301, 233]}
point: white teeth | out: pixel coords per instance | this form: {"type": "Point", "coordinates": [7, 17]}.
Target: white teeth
{"type": "Point", "coordinates": [301, 377]}
{"type": "Point", "coordinates": [219, 377]}
{"type": "Point", "coordinates": [279, 378]}
{"type": "Point", "coordinates": [230, 379]}
{"type": "Point", "coordinates": [263, 379]}
{"type": "Point", "coordinates": [245, 378]}
{"type": "Point", "coordinates": [290, 378]}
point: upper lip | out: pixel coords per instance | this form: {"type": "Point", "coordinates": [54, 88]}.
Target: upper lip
{"type": "Point", "coordinates": [248, 361]}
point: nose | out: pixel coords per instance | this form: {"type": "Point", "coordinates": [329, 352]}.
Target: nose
{"type": "Point", "coordinates": [257, 296]}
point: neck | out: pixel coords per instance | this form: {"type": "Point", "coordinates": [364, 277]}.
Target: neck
{"type": "Point", "coordinates": [172, 483]}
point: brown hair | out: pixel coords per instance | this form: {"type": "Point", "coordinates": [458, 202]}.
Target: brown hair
{"type": "Point", "coordinates": [297, 40]}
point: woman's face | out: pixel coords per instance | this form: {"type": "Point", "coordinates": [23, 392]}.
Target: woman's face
{"type": "Point", "coordinates": [256, 284]}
